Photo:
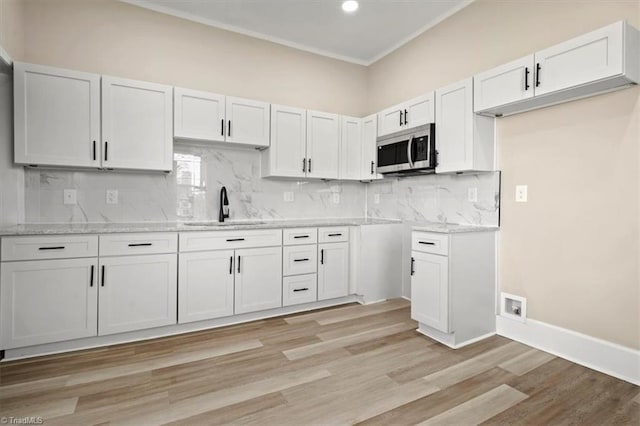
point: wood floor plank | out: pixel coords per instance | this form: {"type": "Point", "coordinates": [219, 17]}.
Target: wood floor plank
{"type": "Point", "coordinates": [339, 365]}
{"type": "Point", "coordinates": [526, 362]}
{"type": "Point", "coordinates": [480, 408]}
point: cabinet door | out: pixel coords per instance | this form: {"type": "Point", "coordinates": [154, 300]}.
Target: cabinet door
{"type": "Point", "coordinates": [390, 120]}
{"type": "Point", "coordinates": [419, 111]}
{"type": "Point", "coordinates": [287, 154]}
{"type": "Point", "coordinates": [590, 57]}
{"type": "Point", "coordinates": [369, 148]}
{"type": "Point", "coordinates": [48, 301]}
{"type": "Point", "coordinates": [333, 270]}
{"type": "Point", "coordinates": [57, 116]}
{"type": "Point", "coordinates": [247, 121]}
{"type": "Point", "coordinates": [258, 279]}
{"type": "Point", "coordinates": [505, 84]}
{"type": "Point", "coordinates": [205, 285]}
{"type": "Point", "coordinates": [430, 290]}
{"type": "Point", "coordinates": [323, 145]}
{"type": "Point", "coordinates": [198, 115]}
{"type": "Point", "coordinates": [454, 127]}
{"type": "Point", "coordinates": [137, 125]}
{"type": "Point", "coordinates": [137, 292]}
{"type": "Point", "coordinates": [351, 148]}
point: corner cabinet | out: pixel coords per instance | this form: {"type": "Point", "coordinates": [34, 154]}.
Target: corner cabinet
{"type": "Point", "coordinates": [453, 285]}
{"type": "Point", "coordinates": [57, 116]}
{"type": "Point", "coordinates": [596, 62]}
{"type": "Point", "coordinates": [465, 141]}
{"type": "Point", "coordinates": [137, 125]}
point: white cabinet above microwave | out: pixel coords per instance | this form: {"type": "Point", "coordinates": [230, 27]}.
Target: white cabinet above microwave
{"type": "Point", "coordinates": [407, 115]}
{"type": "Point", "coordinates": [209, 117]}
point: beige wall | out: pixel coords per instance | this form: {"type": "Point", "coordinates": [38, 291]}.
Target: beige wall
{"type": "Point", "coordinates": [111, 37]}
{"type": "Point", "coordinates": [11, 31]}
{"type": "Point", "coordinates": [573, 249]}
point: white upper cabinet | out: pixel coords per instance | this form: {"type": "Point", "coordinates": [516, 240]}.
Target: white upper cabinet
{"type": "Point", "coordinates": [597, 62]}
{"type": "Point", "coordinates": [464, 141]}
{"type": "Point", "coordinates": [351, 148]}
{"type": "Point", "coordinates": [323, 145]}
{"type": "Point", "coordinates": [198, 115]}
{"type": "Point", "coordinates": [287, 155]}
{"type": "Point", "coordinates": [413, 113]}
{"type": "Point", "coordinates": [137, 125]}
{"type": "Point", "coordinates": [505, 84]}
{"type": "Point", "coordinates": [247, 122]}
{"type": "Point", "coordinates": [590, 57]}
{"type": "Point", "coordinates": [369, 148]}
{"type": "Point", "coordinates": [57, 116]}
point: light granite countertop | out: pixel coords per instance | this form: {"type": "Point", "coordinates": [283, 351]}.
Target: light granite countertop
{"type": "Point", "coordinates": [114, 228]}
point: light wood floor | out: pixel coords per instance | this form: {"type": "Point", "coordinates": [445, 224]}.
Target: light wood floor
{"type": "Point", "coordinates": [336, 366]}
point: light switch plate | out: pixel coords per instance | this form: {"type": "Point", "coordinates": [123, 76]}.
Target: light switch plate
{"type": "Point", "coordinates": [112, 196]}
{"type": "Point", "coordinates": [472, 195]}
{"type": "Point", "coordinates": [336, 198]}
{"type": "Point", "coordinates": [288, 196]}
{"type": "Point", "coordinates": [376, 198]}
{"type": "Point", "coordinates": [70, 197]}
{"type": "Point", "coordinates": [521, 193]}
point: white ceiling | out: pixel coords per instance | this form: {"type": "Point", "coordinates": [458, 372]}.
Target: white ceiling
{"type": "Point", "coordinates": [320, 26]}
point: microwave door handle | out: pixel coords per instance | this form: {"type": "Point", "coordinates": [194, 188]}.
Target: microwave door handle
{"type": "Point", "coordinates": [409, 151]}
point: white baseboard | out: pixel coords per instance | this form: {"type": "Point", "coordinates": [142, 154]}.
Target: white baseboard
{"type": "Point", "coordinates": [609, 358]}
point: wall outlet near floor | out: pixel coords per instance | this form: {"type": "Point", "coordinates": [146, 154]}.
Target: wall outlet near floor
{"type": "Point", "coordinates": [70, 197]}
{"type": "Point", "coordinates": [288, 196]}
{"type": "Point", "coordinates": [472, 194]}
{"type": "Point", "coordinates": [112, 196]}
{"type": "Point", "coordinates": [521, 193]}
{"type": "Point", "coordinates": [514, 307]}
{"type": "Point", "coordinates": [336, 198]}
{"type": "Point", "coordinates": [376, 198]}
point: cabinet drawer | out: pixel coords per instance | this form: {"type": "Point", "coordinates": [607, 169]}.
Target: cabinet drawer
{"type": "Point", "coordinates": [296, 236]}
{"type": "Point", "coordinates": [298, 260]}
{"type": "Point", "coordinates": [216, 240]}
{"type": "Point", "coordinates": [428, 242]}
{"type": "Point", "coordinates": [299, 289]}
{"type": "Point", "coordinates": [117, 245]}
{"type": "Point", "coordinates": [48, 247]}
{"type": "Point", "coordinates": [334, 234]}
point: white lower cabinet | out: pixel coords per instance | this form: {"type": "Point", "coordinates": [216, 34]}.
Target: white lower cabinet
{"type": "Point", "coordinates": [258, 273]}
{"type": "Point", "coordinates": [205, 285]}
{"type": "Point", "coordinates": [299, 289]}
{"type": "Point", "coordinates": [46, 301]}
{"type": "Point", "coordinates": [333, 270]}
{"type": "Point", "coordinates": [453, 285]}
{"type": "Point", "coordinates": [137, 292]}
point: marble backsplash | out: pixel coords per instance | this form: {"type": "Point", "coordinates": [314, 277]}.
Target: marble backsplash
{"type": "Point", "coordinates": [191, 193]}
{"type": "Point", "coordinates": [437, 198]}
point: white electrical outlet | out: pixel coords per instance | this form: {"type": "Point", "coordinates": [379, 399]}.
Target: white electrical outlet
{"type": "Point", "coordinates": [336, 198]}
{"type": "Point", "coordinates": [376, 198]}
{"type": "Point", "coordinates": [288, 196]}
{"type": "Point", "coordinates": [472, 195]}
{"type": "Point", "coordinates": [521, 193]}
{"type": "Point", "coordinates": [112, 196]}
{"type": "Point", "coordinates": [70, 197]}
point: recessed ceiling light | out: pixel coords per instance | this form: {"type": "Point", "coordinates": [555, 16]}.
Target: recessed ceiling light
{"type": "Point", "coordinates": [350, 6]}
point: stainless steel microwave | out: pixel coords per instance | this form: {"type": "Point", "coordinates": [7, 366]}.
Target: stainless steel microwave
{"type": "Point", "coordinates": [408, 152]}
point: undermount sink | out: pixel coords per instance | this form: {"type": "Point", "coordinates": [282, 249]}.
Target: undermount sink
{"type": "Point", "coordinates": [229, 223]}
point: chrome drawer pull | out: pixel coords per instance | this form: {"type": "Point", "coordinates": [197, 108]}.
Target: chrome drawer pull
{"type": "Point", "coordinates": [429, 243]}
{"type": "Point", "coordinates": [301, 260]}
{"type": "Point", "coordinates": [52, 248]}
{"type": "Point", "coordinates": [300, 289]}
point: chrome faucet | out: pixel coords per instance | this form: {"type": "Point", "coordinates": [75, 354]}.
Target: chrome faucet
{"type": "Point", "coordinates": [224, 205]}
